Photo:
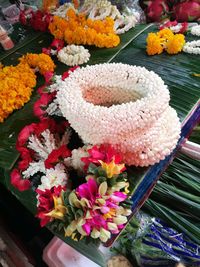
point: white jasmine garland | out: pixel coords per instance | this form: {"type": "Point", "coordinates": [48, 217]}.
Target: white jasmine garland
{"type": "Point", "coordinates": [192, 47]}
{"type": "Point", "coordinates": [73, 55]}
{"type": "Point", "coordinates": [122, 105]}
{"type": "Point", "coordinates": [195, 30]}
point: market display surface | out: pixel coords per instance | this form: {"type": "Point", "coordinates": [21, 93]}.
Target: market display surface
{"type": "Point", "coordinates": [96, 138]}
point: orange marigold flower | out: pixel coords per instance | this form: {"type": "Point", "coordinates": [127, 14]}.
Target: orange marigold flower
{"type": "Point", "coordinates": [153, 44]}
{"type": "Point", "coordinates": [175, 45]}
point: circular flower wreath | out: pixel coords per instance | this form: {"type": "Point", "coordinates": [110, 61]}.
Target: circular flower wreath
{"type": "Point", "coordinates": [73, 55]}
{"type": "Point", "coordinates": [125, 106]}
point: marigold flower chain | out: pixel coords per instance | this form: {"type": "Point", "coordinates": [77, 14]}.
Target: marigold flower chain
{"type": "Point", "coordinates": [76, 29]}
{"type": "Point", "coordinates": [43, 62]}
{"type": "Point", "coordinates": [17, 83]}
{"type": "Point", "coordinates": [164, 40]}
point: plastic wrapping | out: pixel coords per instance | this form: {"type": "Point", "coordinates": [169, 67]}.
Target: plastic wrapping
{"type": "Point", "coordinates": [131, 7]}
{"type": "Point", "coordinates": [156, 244]}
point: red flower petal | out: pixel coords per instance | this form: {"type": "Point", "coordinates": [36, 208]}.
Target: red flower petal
{"type": "Point", "coordinates": [18, 182]}
{"type": "Point", "coordinates": [25, 134]}
{"type": "Point", "coordinates": [56, 156]}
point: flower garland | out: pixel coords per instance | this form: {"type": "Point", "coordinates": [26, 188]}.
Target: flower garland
{"type": "Point", "coordinates": [192, 47]}
{"type": "Point", "coordinates": [99, 10]}
{"type": "Point", "coordinates": [76, 29]}
{"type": "Point", "coordinates": [164, 40]}
{"type": "Point", "coordinates": [43, 62]}
{"type": "Point", "coordinates": [73, 55]}
{"type": "Point", "coordinates": [121, 105]}
{"type": "Point", "coordinates": [17, 83]}
{"type": "Point", "coordinates": [96, 207]}
{"type": "Point", "coordinates": [195, 30]}
{"type": "Point", "coordinates": [174, 26]}
{"type": "Point", "coordinates": [47, 104]}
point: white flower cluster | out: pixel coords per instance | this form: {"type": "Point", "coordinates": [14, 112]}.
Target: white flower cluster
{"type": "Point", "coordinates": [53, 108]}
{"type": "Point", "coordinates": [176, 28]}
{"type": "Point", "coordinates": [124, 23]}
{"type": "Point", "coordinates": [43, 147]}
{"type": "Point", "coordinates": [192, 47]}
{"type": "Point", "coordinates": [73, 55]}
{"type": "Point", "coordinates": [102, 9]}
{"type": "Point", "coordinates": [195, 30]}
{"type": "Point", "coordinates": [122, 105]}
{"type": "Point", "coordinates": [54, 177]}
{"type": "Point", "coordinates": [75, 160]}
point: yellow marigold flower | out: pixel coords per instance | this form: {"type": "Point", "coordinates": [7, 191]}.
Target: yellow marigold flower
{"type": "Point", "coordinates": [165, 33]}
{"type": "Point", "coordinates": [175, 45]}
{"type": "Point", "coordinates": [153, 44]}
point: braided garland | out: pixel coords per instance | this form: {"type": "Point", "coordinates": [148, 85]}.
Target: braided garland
{"type": "Point", "coordinates": [122, 105]}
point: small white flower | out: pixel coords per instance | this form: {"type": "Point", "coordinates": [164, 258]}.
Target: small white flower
{"type": "Point", "coordinates": [192, 47]}
{"type": "Point", "coordinates": [54, 177]}
{"type": "Point", "coordinates": [195, 30]}
{"type": "Point", "coordinates": [75, 160]}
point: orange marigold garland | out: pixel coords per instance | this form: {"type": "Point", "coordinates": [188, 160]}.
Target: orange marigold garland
{"type": "Point", "coordinates": [17, 83]}
{"type": "Point", "coordinates": [41, 61]}
{"type": "Point", "coordinates": [164, 40]}
{"type": "Point", "coordinates": [77, 29]}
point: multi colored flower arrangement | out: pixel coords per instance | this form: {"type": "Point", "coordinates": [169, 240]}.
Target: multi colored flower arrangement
{"type": "Point", "coordinates": [17, 83]}
{"type": "Point", "coordinates": [116, 104]}
{"type": "Point", "coordinates": [82, 191]}
{"type": "Point", "coordinates": [81, 186]}
{"type": "Point", "coordinates": [164, 40]}
{"type": "Point", "coordinates": [77, 29]}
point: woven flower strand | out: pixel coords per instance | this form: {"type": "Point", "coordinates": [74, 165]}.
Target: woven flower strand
{"type": "Point", "coordinates": [125, 106]}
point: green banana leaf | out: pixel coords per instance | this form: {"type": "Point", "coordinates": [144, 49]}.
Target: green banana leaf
{"type": "Point", "coordinates": [176, 197]}
{"type": "Point", "coordinates": [171, 217]}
